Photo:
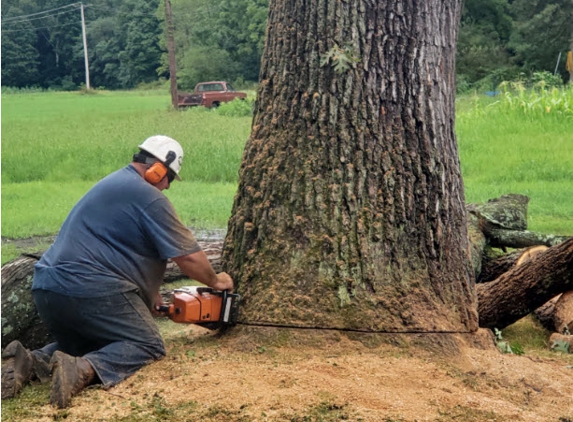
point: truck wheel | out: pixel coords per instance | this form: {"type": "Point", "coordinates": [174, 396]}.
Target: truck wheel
{"type": "Point", "coordinates": [216, 104]}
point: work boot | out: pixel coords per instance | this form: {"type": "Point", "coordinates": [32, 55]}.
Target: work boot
{"type": "Point", "coordinates": [17, 369]}
{"type": "Point", "coordinates": [70, 376]}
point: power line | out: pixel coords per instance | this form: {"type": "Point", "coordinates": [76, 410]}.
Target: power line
{"type": "Point", "coordinates": [38, 18]}
{"type": "Point", "coordinates": [39, 13]}
{"type": "Point", "coordinates": [40, 27]}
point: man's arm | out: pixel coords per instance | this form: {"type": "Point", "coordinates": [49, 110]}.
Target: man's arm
{"type": "Point", "coordinates": [196, 266]}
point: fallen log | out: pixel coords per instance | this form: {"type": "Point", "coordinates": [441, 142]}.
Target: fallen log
{"type": "Point", "coordinates": [563, 313]}
{"type": "Point", "coordinates": [20, 321]}
{"type": "Point", "coordinates": [520, 239]}
{"type": "Point", "coordinates": [526, 287]}
{"type": "Point", "coordinates": [503, 221]}
{"type": "Point", "coordinates": [492, 269]}
{"type": "Point", "coordinates": [544, 314]}
{"type": "Point", "coordinates": [477, 244]}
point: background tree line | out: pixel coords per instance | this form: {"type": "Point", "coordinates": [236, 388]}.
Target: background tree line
{"type": "Point", "coordinates": [223, 39]}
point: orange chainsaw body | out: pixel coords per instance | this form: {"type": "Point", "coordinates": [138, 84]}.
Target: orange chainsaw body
{"type": "Point", "coordinates": [203, 306]}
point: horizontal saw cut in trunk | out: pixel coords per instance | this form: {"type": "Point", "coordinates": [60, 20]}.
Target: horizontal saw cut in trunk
{"type": "Point", "coordinates": [350, 207]}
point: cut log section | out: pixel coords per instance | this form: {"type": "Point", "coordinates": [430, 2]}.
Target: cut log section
{"type": "Point", "coordinates": [557, 314]}
{"type": "Point", "coordinates": [492, 269]}
{"type": "Point", "coordinates": [503, 221]}
{"type": "Point", "coordinates": [563, 313]}
{"type": "Point", "coordinates": [213, 252]}
{"type": "Point", "coordinates": [544, 314]}
{"type": "Point", "coordinates": [526, 287]}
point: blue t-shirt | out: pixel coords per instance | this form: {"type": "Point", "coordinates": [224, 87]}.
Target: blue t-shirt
{"type": "Point", "coordinates": [117, 238]}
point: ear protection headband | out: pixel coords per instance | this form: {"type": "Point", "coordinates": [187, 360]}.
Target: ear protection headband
{"type": "Point", "coordinates": [159, 170]}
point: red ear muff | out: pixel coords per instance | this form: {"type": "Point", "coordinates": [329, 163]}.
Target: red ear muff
{"type": "Point", "coordinates": [158, 170]}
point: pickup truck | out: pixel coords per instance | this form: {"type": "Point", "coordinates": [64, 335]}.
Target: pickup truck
{"type": "Point", "coordinates": [209, 94]}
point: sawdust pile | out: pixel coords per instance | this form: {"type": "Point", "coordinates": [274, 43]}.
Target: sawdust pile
{"type": "Point", "coordinates": [297, 375]}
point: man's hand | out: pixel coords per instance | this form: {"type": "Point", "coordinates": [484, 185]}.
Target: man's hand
{"type": "Point", "coordinates": [158, 302]}
{"type": "Point", "coordinates": [224, 282]}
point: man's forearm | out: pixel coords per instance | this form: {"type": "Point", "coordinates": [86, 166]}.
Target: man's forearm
{"type": "Point", "coordinates": [196, 266]}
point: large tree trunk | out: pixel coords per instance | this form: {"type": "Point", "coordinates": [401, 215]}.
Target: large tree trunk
{"type": "Point", "coordinates": [350, 209]}
{"type": "Point", "coordinates": [526, 287]}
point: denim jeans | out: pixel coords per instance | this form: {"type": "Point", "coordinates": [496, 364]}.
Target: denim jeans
{"type": "Point", "coordinates": [116, 334]}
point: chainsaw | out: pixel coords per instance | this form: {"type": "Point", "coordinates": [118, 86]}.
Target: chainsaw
{"type": "Point", "coordinates": [203, 306]}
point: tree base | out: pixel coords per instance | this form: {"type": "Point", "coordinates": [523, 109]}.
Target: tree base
{"type": "Point", "coordinates": [258, 338]}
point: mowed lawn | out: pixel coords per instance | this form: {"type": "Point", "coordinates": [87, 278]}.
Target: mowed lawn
{"type": "Point", "coordinates": [55, 146]}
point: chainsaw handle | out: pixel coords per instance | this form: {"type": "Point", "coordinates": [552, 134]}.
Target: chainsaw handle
{"type": "Point", "coordinates": [223, 304]}
{"type": "Point", "coordinates": [163, 308]}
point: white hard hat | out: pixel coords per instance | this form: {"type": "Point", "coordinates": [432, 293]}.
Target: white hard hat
{"type": "Point", "coordinates": [160, 146]}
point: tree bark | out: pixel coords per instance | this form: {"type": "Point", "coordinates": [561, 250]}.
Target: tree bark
{"type": "Point", "coordinates": [520, 238]}
{"type": "Point", "coordinates": [544, 314]}
{"type": "Point", "coordinates": [20, 320]}
{"type": "Point", "coordinates": [525, 288]}
{"type": "Point", "coordinates": [563, 313]}
{"type": "Point", "coordinates": [350, 207]}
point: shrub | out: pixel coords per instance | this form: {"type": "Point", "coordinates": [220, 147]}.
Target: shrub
{"type": "Point", "coordinates": [545, 80]}
{"type": "Point", "coordinates": [236, 108]}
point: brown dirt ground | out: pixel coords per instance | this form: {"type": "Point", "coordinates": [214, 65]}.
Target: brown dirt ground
{"type": "Point", "coordinates": [264, 374]}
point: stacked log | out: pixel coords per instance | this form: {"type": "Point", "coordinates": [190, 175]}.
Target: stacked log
{"type": "Point", "coordinates": [536, 277]}
{"type": "Point", "coordinates": [525, 287]}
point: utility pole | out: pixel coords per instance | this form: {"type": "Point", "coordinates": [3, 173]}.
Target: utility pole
{"type": "Point", "coordinates": [171, 53]}
{"type": "Point", "coordinates": [85, 49]}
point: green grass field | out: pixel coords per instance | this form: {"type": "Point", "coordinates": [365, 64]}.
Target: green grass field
{"type": "Point", "coordinates": [521, 143]}
{"type": "Point", "coordinates": [55, 146]}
